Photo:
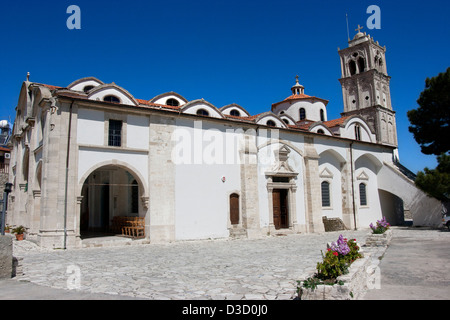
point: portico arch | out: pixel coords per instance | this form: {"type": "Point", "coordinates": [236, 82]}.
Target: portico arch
{"type": "Point", "coordinates": [107, 190]}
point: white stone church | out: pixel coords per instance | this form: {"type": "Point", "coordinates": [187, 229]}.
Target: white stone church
{"type": "Point", "coordinates": [89, 152]}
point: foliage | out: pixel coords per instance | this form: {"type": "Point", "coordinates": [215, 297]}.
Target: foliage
{"type": "Point", "coordinates": [335, 262]}
{"type": "Point", "coordinates": [430, 123]}
{"type": "Point", "coordinates": [331, 267]}
{"type": "Point", "coordinates": [436, 182]}
{"type": "Point", "coordinates": [381, 226]}
{"type": "Point", "coordinates": [19, 230]}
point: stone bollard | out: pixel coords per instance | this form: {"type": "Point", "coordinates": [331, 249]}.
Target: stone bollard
{"type": "Point", "coordinates": [6, 257]}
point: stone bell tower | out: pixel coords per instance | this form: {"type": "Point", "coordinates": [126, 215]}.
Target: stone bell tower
{"type": "Point", "coordinates": [365, 86]}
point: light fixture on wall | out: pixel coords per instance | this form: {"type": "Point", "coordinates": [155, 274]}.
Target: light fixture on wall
{"type": "Point", "coordinates": [223, 179]}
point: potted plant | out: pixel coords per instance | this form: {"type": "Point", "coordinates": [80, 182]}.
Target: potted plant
{"type": "Point", "coordinates": [7, 229]}
{"type": "Point", "coordinates": [19, 231]}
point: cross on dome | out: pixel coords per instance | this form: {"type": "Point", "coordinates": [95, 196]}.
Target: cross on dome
{"type": "Point", "coordinates": [297, 88]}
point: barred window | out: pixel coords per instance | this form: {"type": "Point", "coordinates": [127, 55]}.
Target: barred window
{"type": "Point", "coordinates": [325, 186]}
{"type": "Point", "coordinates": [115, 133]}
{"type": "Point", "coordinates": [362, 194]}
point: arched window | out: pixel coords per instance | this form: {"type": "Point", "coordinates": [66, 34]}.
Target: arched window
{"type": "Point", "coordinates": [361, 64]}
{"type": "Point", "coordinates": [362, 194]}
{"type": "Point", "coordinates": [234, 208]}
{"type": "Point", "coordinates": [322, 115]}
{"type": "Point", "coordinates": [352, 67]}
{"type": "Point", "coordinates": [357, 132]}
{"type": "Point", "coordinates": [286, 121]}
{"type": "Point", "coordinates": [302, 114]}
{"type": "Point", "coordinates": [172, 102]}
{"type": "Point", "coordinates": [325, 187]}
{"type": "Point", "coordinates": [88, 88]}
{"type": "Point", "coordinates": [111, 98]}
{"type": "Point", "coordinates": [202, 112]}
{"type": "Point", "coordinates": [270, 123]}
{"type": "Point", "coordinates": [235, 112]}
{"type": "Point", "coordinates": [320, 131]}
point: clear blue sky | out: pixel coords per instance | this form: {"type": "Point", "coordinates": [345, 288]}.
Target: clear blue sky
{"type": "Point", "coordinates": [245, 52]}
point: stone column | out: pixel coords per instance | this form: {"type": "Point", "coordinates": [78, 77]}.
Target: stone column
{"type": "Point", "coordinates": [161, 201]}
{"type": "Point", "coordinates": [249, 187]}
{"type": "Point", "coordinates": [314, 221]}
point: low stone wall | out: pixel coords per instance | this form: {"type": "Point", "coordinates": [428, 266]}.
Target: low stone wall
{"type": "Point", "coordinates": [6, 257]}
{"type": "Point", "coordinates": [361, 275]}
{"type": "Point", "coordinates": [355, 284]}
{"type": "Point", "coordinates": [333, 224]}
{"type": "Point", "coordinates": [379, 240]}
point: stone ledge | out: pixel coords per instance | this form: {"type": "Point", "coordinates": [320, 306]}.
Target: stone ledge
{"type": "Point", "coordinates": [379, 240]}
{"type": "Point", "coordinates": [360, 275]}
{"type": "Point", "coordinates": [355, 284]}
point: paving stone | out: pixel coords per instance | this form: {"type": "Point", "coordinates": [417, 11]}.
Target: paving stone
{"type": "Point", "coordinates": [266, 268]}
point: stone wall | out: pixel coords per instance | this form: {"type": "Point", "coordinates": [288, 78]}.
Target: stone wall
{"type": "Point", "coordinates": [6, 257]}
{"type": "Point", "coordinates": [333, 224]}
{"type": "Point", "coordinates": [379, 240]}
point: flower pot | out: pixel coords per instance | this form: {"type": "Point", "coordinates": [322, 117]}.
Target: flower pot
{"type": "Point", "coordinates": [19, 237]}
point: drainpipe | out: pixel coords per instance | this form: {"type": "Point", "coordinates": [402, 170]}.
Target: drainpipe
{"type": "Point", "coordinates": [67, 176]}
{"type": "Point", "coordinates": [353, 186]}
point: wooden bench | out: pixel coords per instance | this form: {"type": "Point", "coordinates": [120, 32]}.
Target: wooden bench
{"type": "Point", "coordinates": [133, 227]}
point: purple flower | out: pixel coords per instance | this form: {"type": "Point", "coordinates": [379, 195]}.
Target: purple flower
{"type": "Point", "coordinates": [340, 246]}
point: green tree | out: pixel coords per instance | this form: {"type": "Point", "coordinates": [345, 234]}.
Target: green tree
{"type": "Point", "coordinates": [436, 182]}
{"type": "Point", "coordinates": [430, 123]}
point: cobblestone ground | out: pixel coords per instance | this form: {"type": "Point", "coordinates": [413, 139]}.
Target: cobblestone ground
{"type": "Point", "coordinates": [266, 268]}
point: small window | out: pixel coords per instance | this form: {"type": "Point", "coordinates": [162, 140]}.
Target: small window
{"type": "Point", "coordinates": [235, 112]}
{"type": "Point", "coordinates": [202, 112]}
{"type": "Point", "coordinates": [270, 123]}
{"type": "Point", "coordinates": [115, 133]}
{"type": "Point", "coordinates": [88, 88]}
{"type": "Point", "coordinates": [322, 115]}
{"type": "Point", "coordinates": [320, 131]}
{"type": "Point", "coordinates": [172, 102]}
{"type": "Point", "coordinates": [357, 132]}
{"type": "Point", "coordinates": [325, 188]}
{"type": "Point", "coordinates": [302, 114]}
{"type": "Point", "coordinates": [111, 98]}
{"type": "Point", "coordinates": [286, 121]}
{"type": "Point", "coordinates": [362, 194]}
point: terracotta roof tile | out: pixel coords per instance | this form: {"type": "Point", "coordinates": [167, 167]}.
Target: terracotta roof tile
{"type": "Point", "coordinates": [335, 122]}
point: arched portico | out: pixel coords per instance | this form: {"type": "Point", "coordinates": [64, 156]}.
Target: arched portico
{"type": "Point", "coordinates": [108, 190]}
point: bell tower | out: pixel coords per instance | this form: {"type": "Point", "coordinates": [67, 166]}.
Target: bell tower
{"type": "Point", "coordinates": [365, 86]}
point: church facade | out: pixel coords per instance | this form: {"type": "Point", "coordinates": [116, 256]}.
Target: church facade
{"type": "Point", "coordinates": [89, 152]}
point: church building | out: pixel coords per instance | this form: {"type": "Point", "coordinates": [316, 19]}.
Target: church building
{"type": "Point", "coordinates": [91, 159]}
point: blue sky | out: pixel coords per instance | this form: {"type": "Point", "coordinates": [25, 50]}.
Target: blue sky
{"type": "Point", "coordinates": [244, 52]}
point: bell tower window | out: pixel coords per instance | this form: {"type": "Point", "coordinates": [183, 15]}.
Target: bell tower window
{"type": "Point", "coordinates": [352, 67]}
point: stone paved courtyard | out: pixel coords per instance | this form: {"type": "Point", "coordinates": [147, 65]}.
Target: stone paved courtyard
{"type": "Point", "coordinates": [266, 268]}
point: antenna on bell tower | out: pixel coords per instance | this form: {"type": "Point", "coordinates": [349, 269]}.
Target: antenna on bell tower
{"type": "Point", "coordinates": [348, 33]}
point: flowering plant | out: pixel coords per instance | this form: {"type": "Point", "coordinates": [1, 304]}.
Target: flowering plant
{"type": "Point", "coordinates": [338, 258]}
{"type": "Point", "coordinates": [381, 226]}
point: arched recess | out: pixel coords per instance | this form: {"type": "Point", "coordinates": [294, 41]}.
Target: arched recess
{"type": "Point", "coordinates": [110, 189]}
{"type": "Point", "coordinates": [331, 164]}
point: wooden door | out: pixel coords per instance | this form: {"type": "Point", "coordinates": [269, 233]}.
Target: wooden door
{"type": "Point", "coordinates": [280, 208]}
{"type": "Point", "coordinates": [234, 208]}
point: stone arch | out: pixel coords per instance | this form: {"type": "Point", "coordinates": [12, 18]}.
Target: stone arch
{"type": "Point", "coordinates": [139, 178]}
